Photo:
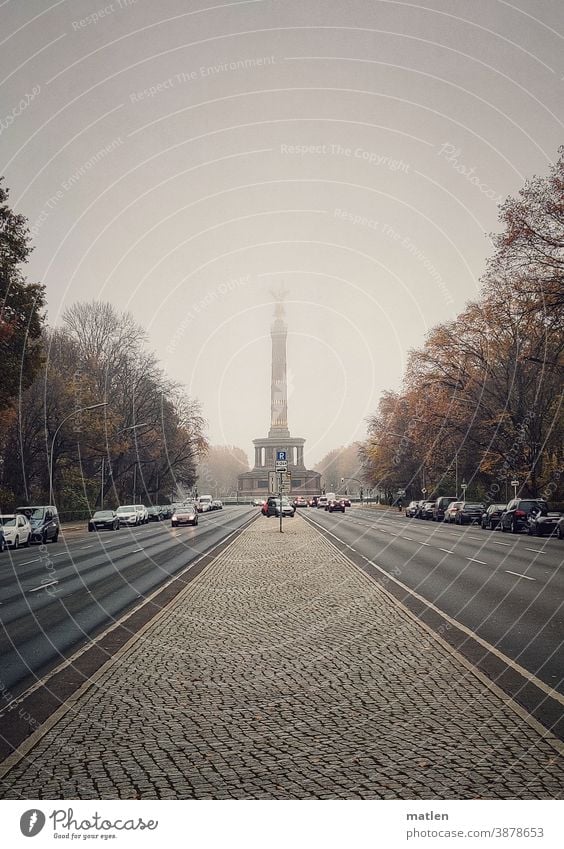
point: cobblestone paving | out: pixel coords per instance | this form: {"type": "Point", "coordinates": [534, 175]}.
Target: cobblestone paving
{"type": "Point", "coordinates": [282, 672]}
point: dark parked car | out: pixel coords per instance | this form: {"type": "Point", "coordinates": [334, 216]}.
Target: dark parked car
{"type": "Point", "coordinates": [103, 520]}
{"type": "Point", "coordinates": [426, 510]}
{"type": "Point", "coordinates": [336, 505]}
{"type": "Point", "coordinates": [516, 514]}
{"type": "Point", "coordinates": [155, 514]}
{"type": "Point", "coordinates": [470, 513]}
{"type": "Point", "coordinates": [491, 517]}
{"type": "Point", "coordinates": [441, 505]}
{"type": "Point", "coordinates": [542, 522]}
{"type": "Point", "coordinates": [184, 514]}
{"type": "Point", "coordinates": [44, 522]}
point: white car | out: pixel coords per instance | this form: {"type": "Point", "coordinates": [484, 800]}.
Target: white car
{"type": "Point", "coordinates": [128, 515]}
{"type": "Point", "coordinates": [17, 529]}
{"type": "Point", "coordinates": [143, 514]}
{"type": "Point", "coordinates": [204, 503]}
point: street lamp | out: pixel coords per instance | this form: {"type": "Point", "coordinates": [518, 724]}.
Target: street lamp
{"type": "Point", "coordinates": [70, 415]}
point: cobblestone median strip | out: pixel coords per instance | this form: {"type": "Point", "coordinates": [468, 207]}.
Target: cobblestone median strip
{"type": "Point", "coordinates": [283, 672]}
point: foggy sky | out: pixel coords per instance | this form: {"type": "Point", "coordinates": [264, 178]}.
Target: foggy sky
{"type": "Point", "coordinates": [182, 161]}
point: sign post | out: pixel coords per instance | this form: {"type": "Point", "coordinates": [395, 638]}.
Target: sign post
{"type": "Point", "coordinates": [281, 467]}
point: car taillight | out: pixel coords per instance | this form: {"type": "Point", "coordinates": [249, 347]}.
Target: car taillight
{"type": "Point", "coordinates": [520, 513]}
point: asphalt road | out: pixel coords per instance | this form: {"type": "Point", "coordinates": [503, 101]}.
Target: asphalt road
{"type": "Point", "coordinates": [54, 601]}
{"type": "Point", "coordinates": [508, 589]}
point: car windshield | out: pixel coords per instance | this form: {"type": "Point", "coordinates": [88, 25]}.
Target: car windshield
{"type": "Point", "coordinates": [473, 506]}
{"type": "Point", "coordinates": [533, 505]}
{"type": "Point", "coordinates": [33, 513]}
{"type": "Point", "coordinates": [103, 514]}
{"type": "Point", "coordinates": [128, 509]}
{"type": "Point", "coordinates": [498, 507]}
{"type": "Point", "coordinates": [8, 521]}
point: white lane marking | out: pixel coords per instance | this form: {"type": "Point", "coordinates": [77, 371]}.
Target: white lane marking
{"type": "Point", "coordinates": [424, 543]}
{"type": "Point", "coordinates": [86, 546]}
{"type": "Point", "coordinates": [502, 543]}
{"type": "Point", "coordinates": [518, 574]}
{"type": "Point", "coordinates": [473, 560]}
{"type": "Point", "coordinates": [37, 559]}
{"type": "Point", "coordinates": [61, 554]}
{"type": "Point", "coordinates": [448, 550]}
{"type": "Point", "coordinates": [135, 550]}
{"type": "Point", "coordinates": [42, 587]}
{"type": "Point", "coordinates": [535, 550]}
{"type": "Point", "coordinates": [409, 538]}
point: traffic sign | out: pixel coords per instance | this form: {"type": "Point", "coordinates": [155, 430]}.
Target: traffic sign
{"type": "Point", "coordinates": [281, 455]}
{"type": "Point", "coordinates": [286, 482]}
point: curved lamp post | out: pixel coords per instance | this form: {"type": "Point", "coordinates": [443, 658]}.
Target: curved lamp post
{"type": "Point", "coordinates": [70, 415]}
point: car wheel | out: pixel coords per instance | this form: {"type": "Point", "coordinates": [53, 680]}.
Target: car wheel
{"type": "Point", "coordinates": [174, 524]}
{"type": "Point", "coordinates": [514, 528]}
{"type": "Point", "coordinates": [539, 531]}
{"type": "Point", "coordinates": [560, 532]}
{"type": "Point", "coordinates": [529, 531]}
{"type": "Point", "coordinates": [503, 528]}
{"type": "Point", "coordinates": [90, 530]}
{"type": "Point", "coordinates": [16, 543]}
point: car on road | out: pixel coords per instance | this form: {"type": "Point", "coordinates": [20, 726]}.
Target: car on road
{"type": "Point", "coordinates": [426, 510]}
{"type": "Point", "coordinates": [542, 522]}
{"type": "Point", "coordinates": [257, 502]}
{"type": "Point", "coordinates": [128, 515]}
{"type": "Point", "coordinates": [411, 509]}
{"type": "Point", "coordinates": [491, 516]}
{"type": "Point", "coordinates": [104, 520]}
{"type": "Point", "coordinates": [335, 505]}
{"type": "Point", "coordinates": [272, 507]}
{"type": "Point", "coordinates": [143, 514]}
{"type": "Point", "coordinates": [312, 501]}
{"type": "Point", "coordinates": [347, 501]}
{"type": "Point", "coordinates": [17, 529]}
{"type": "Point", "coordinates": [184, 514]}
{"type": "Point", "coordinates": [155, 513]}
{"type": "Point", "coordinates": [299, 501]}
{"type": "Point", "coordinates": [203, 504]}
{"type": "Point", "coordinates": [321, 502]}
{"type": "Point", "coordinates": [441, 505]}
{"type": "Point", "coordinates": [451, 511]}
{"type": "Point", "coordinates": [217, 504]}
{"type": "Point", "coordinates": [44, 521]}
{"type": "Point", "coordinates": [515, 517]}
{"type": "Point", "coordinates": [469, 513]}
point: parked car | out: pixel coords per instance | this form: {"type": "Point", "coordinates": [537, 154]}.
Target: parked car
{"type": "Point", "coordinates": [411, 509]}
{"type": "Point", "coordinates": [469, 513]}
{"type": "Point", "coordinates": [272, 506]}
{"type": "Point", "coordinates": [104, 520]}
{"type": "Point", "coordinates": [143, 514]}
{"type": "Point", "coordinates": [17, 529]}
{"type": "Point", "coordinates": [419, 509]}
{"type": "Point", "coordinates": [155, 514]}
{"type": "Point", "coordinates": [44, 521]}
{"type": "Point", "coordinates": [515, 517]}
{"type": "Point", "coordinates": [321, 502]}
{"type": "Point", "coordinates": [441, 505]}
{"type": "Point", "coordinates": [452, 510]}
{"type": "Point", "coordinates": [128, 515]}
{"type": "Point", "coordinates": [426, 510]}
{"type": "Point", "coordinates": [335, 505]}
{"type": "Point", "coordinates": [490, 518]}
{"type": "Point", "coordinates": [542, 522]}
{"type": "Point", "coordinates": [184, 514]}
{"type": "Point", "coordinates": [299, 501]}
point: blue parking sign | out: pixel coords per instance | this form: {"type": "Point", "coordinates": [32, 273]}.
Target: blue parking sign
{"type": "Point", "coordinates": [280, 455]}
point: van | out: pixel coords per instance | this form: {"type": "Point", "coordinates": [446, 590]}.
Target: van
{"type": "Point", "coordinates": [441, 505]}
{"type": "Point", "coordinates": [44, 521]}
{"type": "Point", "coordinates": [204, 503]}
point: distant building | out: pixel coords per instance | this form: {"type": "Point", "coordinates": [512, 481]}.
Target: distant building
{"type": "Point", "coordinates": [254, 484]}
